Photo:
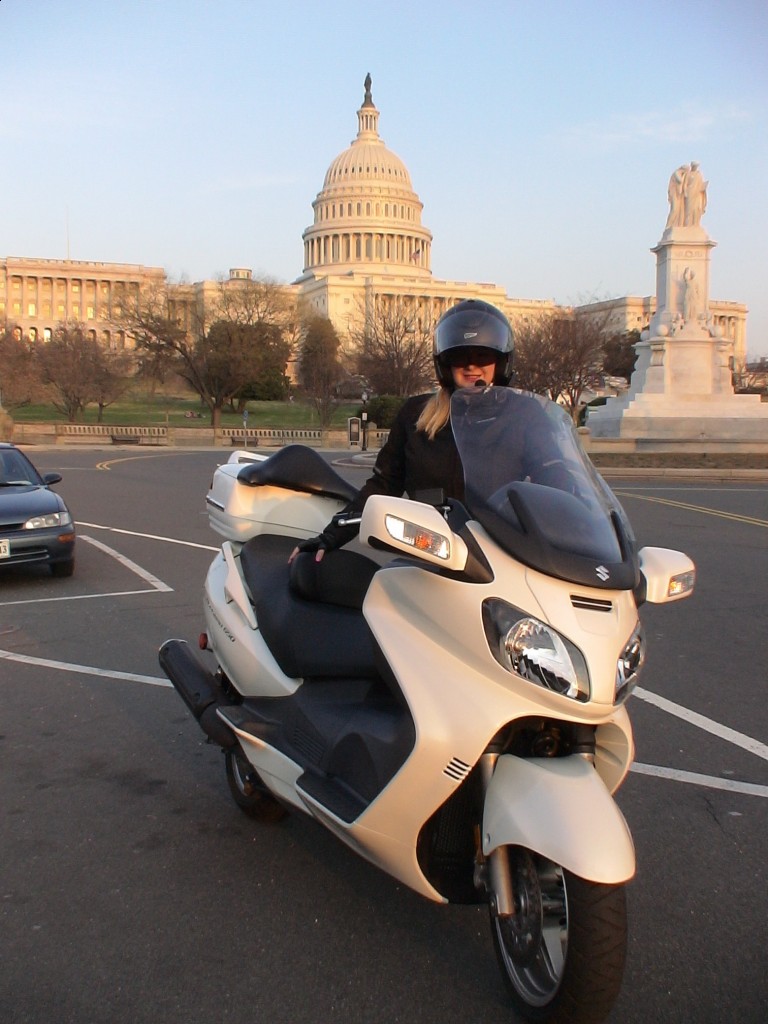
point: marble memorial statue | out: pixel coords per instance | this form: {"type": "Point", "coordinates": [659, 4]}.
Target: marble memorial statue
{"type": "Point", "coordinates": [690, 295]}
{"type": "Point", "coordinates": [675, 196]}
{"type": "Point", "coordinates": [687, 194]}
{"type": "Point", "coordinates": [682, 385]}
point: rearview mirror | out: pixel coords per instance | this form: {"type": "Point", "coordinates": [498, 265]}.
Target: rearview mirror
{"type": "Point", "coordinates": [414, 529]}
{"type": "Point", "coordinates": [669, 575]}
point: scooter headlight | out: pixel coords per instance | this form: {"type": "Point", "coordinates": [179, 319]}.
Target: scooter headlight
{"type": "Point", "coordinates": [534, 650]}
{"type": "Point", "coordinates": [629, 664]}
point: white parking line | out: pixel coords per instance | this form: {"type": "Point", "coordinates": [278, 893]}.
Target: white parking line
{"type": "Point", "coordinates": [142, 573]}
{"type": "Point", "coordinates": [78, 597]}
{"type": "Point", "coordinates": [150, 536]}
{"type": "Point", "coordinates": [87, 670]}
{"type": "Point", "coordinates": [707, 724]}
{"type": "Point", "coordinates": [157, 585]}
{"type": "Point", "coordinates": [708, 781]}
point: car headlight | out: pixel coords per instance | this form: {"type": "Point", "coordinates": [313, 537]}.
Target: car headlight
{"type": "Point", "coordinates": [534, 650]}
{"type": "Point", "coordinates": [47, 521]}
{"type": "Point", "coordinates": [629, 664]}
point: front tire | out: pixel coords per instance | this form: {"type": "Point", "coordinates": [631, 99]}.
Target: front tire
{"type": "Point", "coordinates": [248, 791]}
{"type": "Point", "coordinates": [563, 950]}
{"type": "Point", "coordinates": [61, 570]}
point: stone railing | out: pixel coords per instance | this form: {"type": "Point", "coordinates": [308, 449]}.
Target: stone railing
{"type": "Point", "coordinates": [187, 437]}
{"type": "Point", "coordinates": [271, 437]}
{"type": "Point", "coordinates": [90, 433]}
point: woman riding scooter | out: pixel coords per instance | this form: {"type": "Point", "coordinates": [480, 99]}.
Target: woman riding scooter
{"type": "Point", "coordinates": [473, 346]}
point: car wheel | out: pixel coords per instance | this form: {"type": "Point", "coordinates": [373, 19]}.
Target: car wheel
{"type": "Point", "coordinates": [61, 569]}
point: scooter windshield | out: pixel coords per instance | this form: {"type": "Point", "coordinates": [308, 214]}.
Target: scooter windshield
{"type": "Point", "coordinates": [530, 484]}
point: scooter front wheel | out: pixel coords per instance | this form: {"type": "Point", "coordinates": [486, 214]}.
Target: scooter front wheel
{"type": "Point", "coordinates": [248, 791]}
{"type": "Point", "coordinates": [562, 951]}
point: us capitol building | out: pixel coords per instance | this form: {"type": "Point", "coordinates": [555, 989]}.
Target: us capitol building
{"type": "Point", "coordinates": [366, 248]}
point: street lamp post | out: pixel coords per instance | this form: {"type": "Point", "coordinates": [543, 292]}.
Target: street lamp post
{"type": "Point", "coordinates": [364, 417]}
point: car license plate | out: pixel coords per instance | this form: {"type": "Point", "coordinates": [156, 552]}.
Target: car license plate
{"type": "Point", "coordinates": [5, 548]}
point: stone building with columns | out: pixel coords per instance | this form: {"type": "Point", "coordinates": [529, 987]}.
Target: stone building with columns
{"type": "Point", "coordinates": [366, 247]}
{"type": "Point", "coordinates": [632, 313]}
{"type": "Point", "coordinates": [37, 294]}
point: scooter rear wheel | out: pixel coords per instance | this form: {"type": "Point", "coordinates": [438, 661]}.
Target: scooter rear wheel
{"type": "Point", "coordinates": [248, 791]}
{"type": "Point", "coordinates": [562, 952]}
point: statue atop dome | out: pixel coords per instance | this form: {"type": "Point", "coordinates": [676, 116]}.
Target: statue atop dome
{"type": "Point", "coordinates": [368, 99]}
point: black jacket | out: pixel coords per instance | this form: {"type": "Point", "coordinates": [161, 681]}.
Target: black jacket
{"type": "Point", "coordinates": [409, 463]}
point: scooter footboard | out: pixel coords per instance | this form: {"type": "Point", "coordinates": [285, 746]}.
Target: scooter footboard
{"type": "Point", "coordinates": [561, 809]}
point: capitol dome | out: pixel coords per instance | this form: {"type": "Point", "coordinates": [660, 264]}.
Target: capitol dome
{"type": "Point", "coordinates": [367, 216]}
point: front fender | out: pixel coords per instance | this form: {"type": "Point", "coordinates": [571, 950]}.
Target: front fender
{"type": "Point", "coordinates": [560, 808]}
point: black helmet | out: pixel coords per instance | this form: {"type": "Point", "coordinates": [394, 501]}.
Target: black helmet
{"type": "Point", "coordinates": [473, 324]}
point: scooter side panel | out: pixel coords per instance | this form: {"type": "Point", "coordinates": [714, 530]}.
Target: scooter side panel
{"type": "Point", "coordinates": [240, 648]}
{"type": "Point", "coordinates": [395, 857]}
{"type": "Point", "coordinates": [458, 694]}
{"type": "Point", "coordinates": [561, 809]}
{"type": "Point", "coordinates": [277, 771]}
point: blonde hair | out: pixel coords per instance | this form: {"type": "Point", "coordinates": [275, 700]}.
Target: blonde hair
{"type": "Point", "coordinates": [435, 413]}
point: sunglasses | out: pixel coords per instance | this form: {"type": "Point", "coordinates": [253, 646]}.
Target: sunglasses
{"type": "Point", "coordinates": [468, 356]}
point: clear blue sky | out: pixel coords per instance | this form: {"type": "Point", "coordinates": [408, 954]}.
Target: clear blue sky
{"type": "Point", "coordinates": [194, 134]}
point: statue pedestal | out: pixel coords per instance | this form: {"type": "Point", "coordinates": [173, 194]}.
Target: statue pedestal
{"type": "Point", "coordinates": [681, 387]}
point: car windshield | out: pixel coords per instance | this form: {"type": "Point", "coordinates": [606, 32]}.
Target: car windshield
{"type": "Point", "coordinates": [530, 484]}
{"type": "Point", "coordinates": [16, 470]}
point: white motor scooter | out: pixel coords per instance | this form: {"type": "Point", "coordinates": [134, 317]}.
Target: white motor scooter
{"type": "Point", "coordinates": [456, 715]}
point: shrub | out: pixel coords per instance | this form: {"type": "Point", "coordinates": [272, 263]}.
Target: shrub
{"type": "Point", "coordinates": [382, 410]}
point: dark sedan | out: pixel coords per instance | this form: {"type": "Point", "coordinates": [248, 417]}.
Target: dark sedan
{"type": "Point", "coordinates": [35, 524]}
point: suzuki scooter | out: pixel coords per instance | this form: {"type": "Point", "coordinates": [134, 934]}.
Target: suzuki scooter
{"type": "Point", "coordinates": [453, 705]}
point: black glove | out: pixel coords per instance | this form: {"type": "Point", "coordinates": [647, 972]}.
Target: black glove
{"type": "Point", "coordinates": [319, 543]}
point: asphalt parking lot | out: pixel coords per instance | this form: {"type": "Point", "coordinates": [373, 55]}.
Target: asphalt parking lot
{"type": "Point", "coordinates": [134, 891]}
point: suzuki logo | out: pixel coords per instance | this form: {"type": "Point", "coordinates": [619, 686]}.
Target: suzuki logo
{"type": "Point", "coordinates": [602, 572]}
{"type": "Point", "coordinates": [469, 334]}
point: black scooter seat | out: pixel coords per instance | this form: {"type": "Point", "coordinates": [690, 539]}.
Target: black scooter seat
{"type": "Point", "coordinates": [309, 638]}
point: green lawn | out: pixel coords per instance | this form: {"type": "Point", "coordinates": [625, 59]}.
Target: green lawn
{"type": "Point", "coordinates": [184, 411]}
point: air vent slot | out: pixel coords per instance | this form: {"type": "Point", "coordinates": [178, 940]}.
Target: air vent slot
{"type": "Point", "coordinates": [592, 604]}
{"type": "Point", "coordinates": [457, 769]}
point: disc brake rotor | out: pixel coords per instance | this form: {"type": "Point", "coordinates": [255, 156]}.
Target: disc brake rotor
{"type": "Point", "coordinates": [523, 930]}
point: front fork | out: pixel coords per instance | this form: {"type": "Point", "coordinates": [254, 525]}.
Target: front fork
{"type": "Point", "coordinates": [492, 873]}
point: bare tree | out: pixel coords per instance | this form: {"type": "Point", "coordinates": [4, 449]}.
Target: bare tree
{"type": "Point", "coordinates": [68, 365]}
{"type": "Point", "coordinates": [619, 354]}
{"type": "Point", "coordinates": [113, 376]}
{"type": "Point", "coordinates": [560, 356]}
{"type": "Point", "coordinates": [19, 382]}
{"type": "Point", "coordinates": [245, 330]}
{"type": "Point", "coordinates": [258, 301]}
{"type": "Point", "coordinates": [319, 368]}
{"type": "Point", "coordinates": [395, 345]}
